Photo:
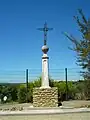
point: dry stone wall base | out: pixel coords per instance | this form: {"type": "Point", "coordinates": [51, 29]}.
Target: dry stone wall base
{"type": "Point", "coordinates": [45, 97]}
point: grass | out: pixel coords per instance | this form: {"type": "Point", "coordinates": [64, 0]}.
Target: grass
{"type": "Point", "coordinates": [73, 116]}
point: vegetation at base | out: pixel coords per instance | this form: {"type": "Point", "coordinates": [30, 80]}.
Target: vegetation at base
{"type": "Point", "coordinates": [19, 93]}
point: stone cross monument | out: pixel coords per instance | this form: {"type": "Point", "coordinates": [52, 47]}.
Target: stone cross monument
{"type": "Point", "coordinates": [45, 63]}
{"type": "Point", "coordinates": [45, 96]}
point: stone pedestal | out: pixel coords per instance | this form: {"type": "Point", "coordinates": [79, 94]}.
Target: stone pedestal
{"type": "Point", "coordinates": [45, 97]}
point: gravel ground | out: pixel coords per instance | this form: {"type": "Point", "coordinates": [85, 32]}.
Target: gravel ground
{"type": "Point", "coordinates": [72, 103]}
{"type": "Point", "coordinates": [69, 116]}
{"type": "Point", "coordinates": [76, 103]}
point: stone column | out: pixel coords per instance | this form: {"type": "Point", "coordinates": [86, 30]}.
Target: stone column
{"type": "Point", "coordinates": [45, 68]}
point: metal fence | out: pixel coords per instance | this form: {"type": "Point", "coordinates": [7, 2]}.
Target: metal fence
{"type": "Point", "coordinates": [8, 76]}
{"type": "Point", "coordinates": [29, 75]}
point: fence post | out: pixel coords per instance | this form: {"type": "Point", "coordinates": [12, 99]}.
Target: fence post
{"type": "Point", "coordinates": [66, 84]}
{"type": "Point", "coordinates": [27, 85]}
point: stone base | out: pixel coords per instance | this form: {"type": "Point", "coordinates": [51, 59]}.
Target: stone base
{"type": "Point", "coordinates": [45, 97]}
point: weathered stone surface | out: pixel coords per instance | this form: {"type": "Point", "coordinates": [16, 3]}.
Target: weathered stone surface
{"type": "Point", "coordinates": [45, 97]}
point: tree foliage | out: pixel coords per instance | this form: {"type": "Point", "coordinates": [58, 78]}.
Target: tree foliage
{"type": "Point", "coordinates": [82, 46]}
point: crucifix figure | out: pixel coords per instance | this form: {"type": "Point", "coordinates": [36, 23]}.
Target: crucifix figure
{"type": "Point", "coordinates": [45, 30]}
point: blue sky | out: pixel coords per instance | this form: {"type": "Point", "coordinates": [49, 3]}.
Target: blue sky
{"type": "Point", "coordinates": [21, 42]}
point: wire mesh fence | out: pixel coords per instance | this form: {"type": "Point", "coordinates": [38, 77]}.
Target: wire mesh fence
{"type": "Point", "coordinates": [8, 76]}
{"type": "Point", "coordinates": [11, 83]}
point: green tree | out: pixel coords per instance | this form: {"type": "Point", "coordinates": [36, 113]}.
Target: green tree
{"type": "Point", "coordinates": [82, 48]}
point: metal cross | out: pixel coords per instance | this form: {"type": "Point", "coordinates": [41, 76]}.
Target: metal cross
{"type": "Point", "coordinates": [45, 30]}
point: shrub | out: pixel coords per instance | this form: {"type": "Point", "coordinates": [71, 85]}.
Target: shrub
{"type": "Point", "coordinates": [21, 94]}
